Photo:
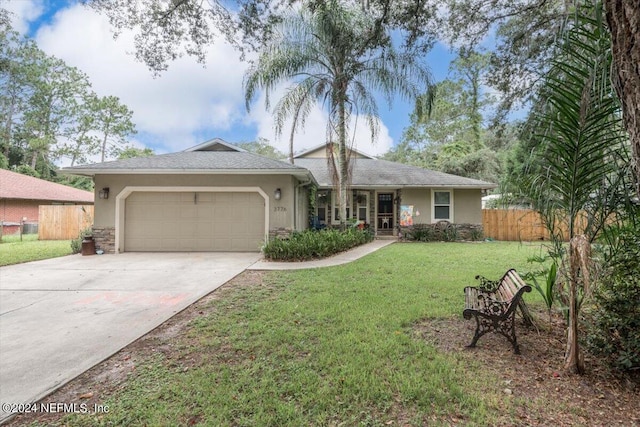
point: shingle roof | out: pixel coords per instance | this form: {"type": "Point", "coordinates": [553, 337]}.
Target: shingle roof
{"type": "Point", "coordinates": [17, 186]}
{"type": "Point", "coordinates": [194, 161]}
{"type": "Point", "coordinates": [367, 172]}
{"type": "Point", "coordinates": [382, 173]}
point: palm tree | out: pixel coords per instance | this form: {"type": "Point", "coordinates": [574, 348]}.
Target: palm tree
{"type": "Point", "coordinates": [576, 171]}
{"type": "Point", "coordinates": [337, 57]}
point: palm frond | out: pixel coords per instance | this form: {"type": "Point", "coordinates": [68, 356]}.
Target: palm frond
{"type": "Point", "coordinates": [579, 130]}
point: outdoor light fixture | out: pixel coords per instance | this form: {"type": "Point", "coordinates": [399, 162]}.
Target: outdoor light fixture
{"type": "Point", "coordinates": [104, 193]}
{"type": "Point", "coordinates": [277, 194]}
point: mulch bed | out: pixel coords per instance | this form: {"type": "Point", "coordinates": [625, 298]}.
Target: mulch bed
{"type": "Point", "coordinates": [596, 398]}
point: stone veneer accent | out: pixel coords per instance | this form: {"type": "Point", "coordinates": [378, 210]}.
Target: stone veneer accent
{"type": "Point", "coordinates": [280, 232]}
{"type": "Point", "coordinates": [105, 238]}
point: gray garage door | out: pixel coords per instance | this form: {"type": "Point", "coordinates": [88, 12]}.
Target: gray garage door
{"type": "Point", "coordinates": [194, 222]}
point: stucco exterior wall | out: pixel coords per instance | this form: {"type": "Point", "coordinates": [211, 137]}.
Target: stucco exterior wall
{"type": "Point", "coordinates": [281, 213]}
{"type": "Point", "coordinates": [420, 198]}
{"type": "Point", "coordinates": [467, 206]}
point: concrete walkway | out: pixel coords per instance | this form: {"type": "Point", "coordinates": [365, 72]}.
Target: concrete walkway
{"type": "Point", "coordinates": [341, 258]}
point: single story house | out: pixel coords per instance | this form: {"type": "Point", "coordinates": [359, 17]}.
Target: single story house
{"type": "Point", "coordinates": [21, 195]}
{"type": "Point", "coordinates": [393, 197]}
{"type": "Point", "coordinates": [219, 197]}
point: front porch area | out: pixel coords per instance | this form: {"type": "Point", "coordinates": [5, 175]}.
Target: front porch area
{"type": "Point", "coordinates": [378, 210]}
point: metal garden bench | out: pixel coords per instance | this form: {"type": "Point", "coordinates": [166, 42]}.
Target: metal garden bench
{"type": "Point", "coordinates": [494, 304]}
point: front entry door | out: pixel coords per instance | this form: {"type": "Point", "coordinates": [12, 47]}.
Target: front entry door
{"type": "Point", "coordinates": [385, 212]}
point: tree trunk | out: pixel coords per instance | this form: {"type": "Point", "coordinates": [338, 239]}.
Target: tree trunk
{"type": "Point", "coordinates": [579, 276]}
{"type": "Point", "coordinates": [8, 128]}
{"type": "Point", "coordinates": [103, 147]}
{"type": "Point", "coordinates": [572, 361]}
{"type": "Point", "coordinates": [623, 18]}
{"type": "Point", "coordinates": [342, 163]}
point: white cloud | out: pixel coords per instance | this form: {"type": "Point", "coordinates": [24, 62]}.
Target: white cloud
{"type": "Point", "coordinates": [24, 12]}
{"type": "Point", "coordinates": [185, 105]}
{"type": "Point", "coordinates": [171, 108]}
{"type": "Point", "coordinates": [314, 131]}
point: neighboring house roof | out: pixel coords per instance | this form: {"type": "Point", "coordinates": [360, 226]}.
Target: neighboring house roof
{"type": "Point", "coordinates": [17, 186]}
{"type": "Point", "coordinates": [212, 157]}
{"type": "Point", "coordinates": [369, 173]}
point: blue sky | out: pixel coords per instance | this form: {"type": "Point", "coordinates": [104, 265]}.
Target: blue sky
{"type": "Point", "coordinates": [188, 104]}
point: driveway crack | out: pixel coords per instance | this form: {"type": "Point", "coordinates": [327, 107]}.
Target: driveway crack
{"type": "Point", "coordinates": [19, 308]}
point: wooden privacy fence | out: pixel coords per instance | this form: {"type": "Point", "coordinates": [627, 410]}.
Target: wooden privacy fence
{"type": "Point", "coordinates": [58, 222]}
{"type": "Point", "coordinates": [517, 225]}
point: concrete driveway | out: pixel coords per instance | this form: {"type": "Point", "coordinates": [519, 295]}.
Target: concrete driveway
{"type": "Point", "coordinates": [59, 317]}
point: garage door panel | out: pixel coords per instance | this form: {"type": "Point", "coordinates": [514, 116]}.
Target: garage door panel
{"type": "Point", "coordinates": [204, 211]}
{"type": "Point", "coordinates": [238, 244]}
{"type": "Point", "coordinates": [204, 229]}
{"type": "Point", "coordinates": [223, 198]}
{"type": "Point", "coordinates": [170, 231]}
{"type": "Point", "coordinates": [185, 230]}
{"type": "Point", "coordinates": [222, 245]}
{"type": "Point", "coordinates": [206, 221]}
{"type": "Point", "coordinates": [138, 209]}
{"type": "Point", "coordinates": [188, 211]}
{"type": "Point", "coordinates": [255, 228]}
{"type": "Point", "coordinates": [187, 197]}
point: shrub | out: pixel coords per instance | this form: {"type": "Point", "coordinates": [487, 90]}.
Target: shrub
{"type": "Point", "coordinates": [613, 330]}
{"type": "Point", "coordinates": [450, 234]}
{"type": "Point", "coordinates": [76, 245]}
{"type": "Point", "coordinates": [421, 233]}
{"type": "Point", "coordinates": [476, 234]}
{"type": "Point", "coordinates": [309, 244]}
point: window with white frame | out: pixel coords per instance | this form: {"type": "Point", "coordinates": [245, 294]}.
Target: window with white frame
{"type": "Point", "coordinates": [442, 205]}
{"type": "Point", "coordinates": [362, 206]}
{"type": "Point", "coordinates": [322, 207]}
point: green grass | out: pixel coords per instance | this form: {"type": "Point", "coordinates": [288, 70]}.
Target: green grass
{"type": "Point", "coordinates": [14, 251]}
{"type": "Point", "coordinates": [331, 346]}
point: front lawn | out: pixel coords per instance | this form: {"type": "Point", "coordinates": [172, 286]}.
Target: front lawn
{"type": "Point", "coordinates": [337, 346]}
{"type": "Point", "coordinates": [14, 251]}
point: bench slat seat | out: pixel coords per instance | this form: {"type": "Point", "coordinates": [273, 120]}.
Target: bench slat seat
{"type": "Point", "coordinates": [494, 304]}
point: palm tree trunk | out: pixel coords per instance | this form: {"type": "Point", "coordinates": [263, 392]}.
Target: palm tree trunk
{"type": "Point", "coordinates": [578, 276]}
{"type": "Point", "coordinates": [342, 162]}
{"type": "Point", "coordinates": [573, 363]}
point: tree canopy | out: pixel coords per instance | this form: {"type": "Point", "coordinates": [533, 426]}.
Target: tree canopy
{"type": "Point", "coordinates": [336, 57]}
{"type": "Point", "coordinates": [525, 33]}
{"type": "Point", "coordinates": [49, 112]}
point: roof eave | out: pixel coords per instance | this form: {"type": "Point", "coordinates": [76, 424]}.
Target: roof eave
{"type": "Point", "coordinates": [93, 172]}
{"type": "Point", "coordinates": [325, 186]}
